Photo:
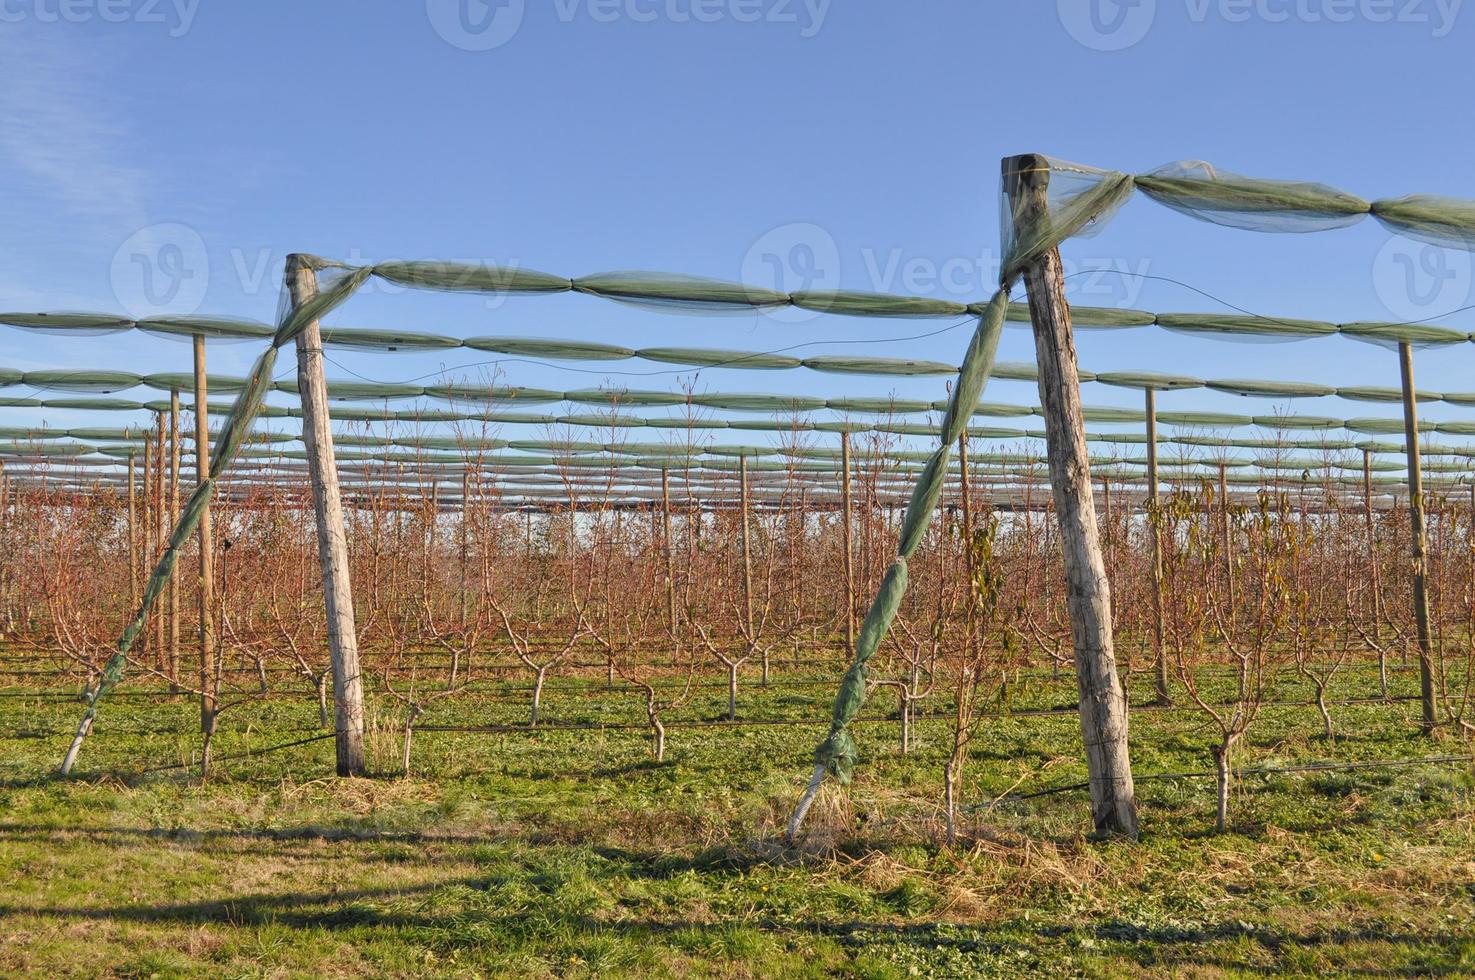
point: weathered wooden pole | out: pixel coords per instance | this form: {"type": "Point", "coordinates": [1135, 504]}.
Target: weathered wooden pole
{"type": "Point", "coordinates": [174, 449]}
{"type": "Point", "coordinates": [161, 530]}
{"type": "Point", "coordinates": [846, 541]}
{"type": "Point", "coordinates": [1374, 577]}
{"type": "Point", "coordinates": [1154, 525]}
{"type": "Point", "coordinates": [317, 433]}
{"type": "Point", "coordinates": [1103, 706]}
{"type": "Point", "coordinates": [1418, 541]}
{"type": "Point", "coordinates": [209, 701]}
{"type": "Point", "coordinates": [748, 562]}
{"type": "Point", "coordinates": [670, 552]}
{"type": "Point", "coordinates": [132, 532]}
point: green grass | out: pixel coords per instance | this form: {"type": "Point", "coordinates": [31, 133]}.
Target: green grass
{"type": "Point", "coordinates": [573, 854]}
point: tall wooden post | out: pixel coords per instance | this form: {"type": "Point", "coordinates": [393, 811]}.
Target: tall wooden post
{"type": "Point", "coordinates": [132, 532]}
{"type": "Point", "coordinates": [146, 635]}
{"type": "Point", "coordinates": [174, 440]}
{"type": "Point", "coordinates": [1154, 525]}
{"type": "Point", "coordinates": [209, 702]}
{"type": "Point", "coordinates": [670, 552]}
{"type": "Point", "coordinates": [849, 547]}
{"type": "Point", "coordinates": [1103, 706]}
{"type": "Point", "coordinates": [1374, 574]}
{"type": "Point", "coordinates": [748, 561]}
{"type": "Point", "coordinates": [1417, 537]}
{"type": "Point", "coordinates": [161, 531]}
{"type": "Point", "coordinates": [317, 433]}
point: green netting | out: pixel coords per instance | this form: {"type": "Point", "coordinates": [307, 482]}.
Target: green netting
{"type": "Point", "coordinates": [73, 323]}
{"type": "Point", "coordinates": [666, 291]}
{"type": "Point", "coordinates": [1102, 317]}
{"type": "Point", "coordinates": [98, 404]}
{"type": "Point", "coordinates": [102, 382]}
{"type": "Point", "coordinates": [1415, 334]}
{"type": "Point", "coordinates": [754, 402]}
{"type": "Point", "coordinates": [1206, 420]}
{"type": "Point", "coordinates": [185, 381]}
{"type": "Point", "coordinates": [1373, 393]}
{"type": "Point", "coordinates": [1297, 422]}
{"type": "Point", "coordinates": [1271, 389]}
{"type": "Point", "coordinates": [1201, 191]}
{"type": "Point", "coordinates": [1103, 414]}
{"type": "Point", "coordinates": [209, 327]}
{"type": "Point", "coordinates": [713, 357]}
{"type": "Point", "coordinates": [607, 421]}
{"type": "Point", "coordinates": [560, 350]}
{"type": "Point", "coordinates": [1145, 379]}
{"type": "Point", "coordinates": [467, 392]}
{"type": "Point", "coordinates": [469, 277]}
{"type": "Point", "coordinates": [359, 390]}
{"type": "Point", "coordinates": [356, 338]}
{"type": "Point", "coordinates": [1445, 221]}
{"type": "Point", "coordinates": [1079, 199]}
{"type": "Point", "coordinates": [900, 406]}
{"type": "Point", "coordinates": [1242, 325]}
{"type": "Point", "coordinates": [845, 364]}
{"type": "Point", "coordinates": [875, 304]}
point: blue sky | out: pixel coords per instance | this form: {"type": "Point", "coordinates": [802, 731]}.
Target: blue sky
{"type": "Point", "coordinates": [692, 136]}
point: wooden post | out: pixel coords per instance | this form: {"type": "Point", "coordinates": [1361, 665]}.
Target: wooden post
{"type": "Point", "coordinates": [317, 433]}
{"type": "Point", "coordinates": [174, 440]}
{"type": "Point", "coordinates": [849, 548]}
{"type": "Point", "coordinates": [1159, 656]}
{"type": "Point", "coordinates": [670, 553]}
{"type": "Point", "coordinates": [209, 701]}
{"type": "Point", "coordinates": [132, 533]}
{"type": "Point", "coordinates": [1103, 706]}
{"type": "Point", "coordinates": [748, 563]}
{"type": "Point", "coordinates": [146, 635]}
{"type": "Point", "coordinates": [161, 530]}
{"type": "Point", "coordinates": [1417, 537]}
{"type": "Point", "coordinates": [1374, 575]}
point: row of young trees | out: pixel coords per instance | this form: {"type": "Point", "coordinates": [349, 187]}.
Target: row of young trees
{"type": "Point", "coordinates": [1219, 596]}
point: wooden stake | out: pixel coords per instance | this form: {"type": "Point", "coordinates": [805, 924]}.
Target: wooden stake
{"type": "Point", "coordinates": [1159, 656]}
{"type": "Point", "coordinates": [132, 533]}
{"type": "Point", "coordinates": [209, 696]}
{"type": "Point", "coordinates": [174, 440]}
{"type": "Point", "coordinates": [849, 548]}
{"type": "Point", "coordinates": [1418, 537]}
{"type": "Point", "coordinates": [1102, 704]}
{"type": "Point", "coordinates": [317, 433]}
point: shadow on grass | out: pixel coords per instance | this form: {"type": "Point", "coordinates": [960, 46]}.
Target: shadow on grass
{"type": "Point", "coordinates": [401, 908]}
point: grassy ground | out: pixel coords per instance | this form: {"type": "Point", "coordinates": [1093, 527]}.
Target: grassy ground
{"type": "Point", "coordinates": [571, 854]}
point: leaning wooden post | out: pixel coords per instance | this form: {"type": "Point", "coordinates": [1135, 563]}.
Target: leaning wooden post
{"type": "Point", "coordinates": [670, 552]}
{"type": "Point", "coordinates": [317, 433]}
{"type": "Point", "coordinates": [174, 441]}
{"type": "Point", "coordinates": [1374, 578]}
{"type": "Point", "coordinates": [1417, 537]}
{"type": "Point", "coordinates": [132, 531]}
{"type": "Point", "coordinates": [849, 547]}
{"type": "Point", "coordinates": [1103, 706]}
{"type": "Point", "coordinates": [162, 529]}
{"type": "Point", "coordinates": [209, 708]}
{"type": "Point", "coordinates": [748, 563]}
{"type": "Point", "coordinates": [1154, 525]}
